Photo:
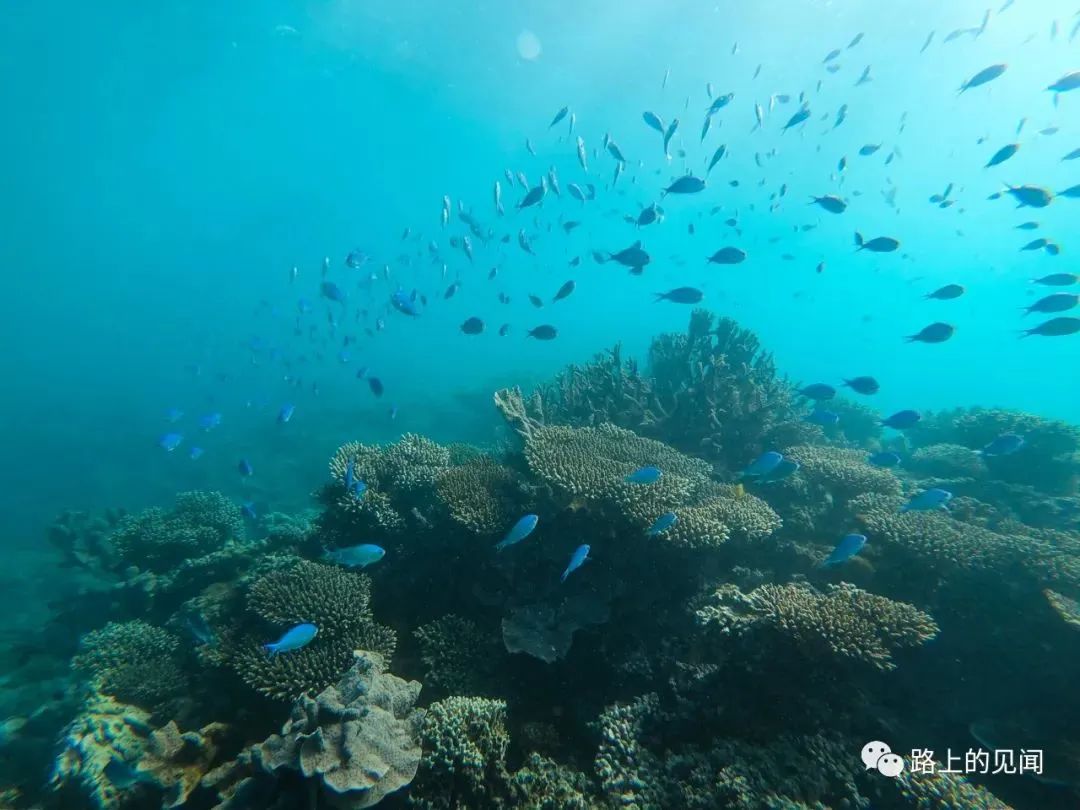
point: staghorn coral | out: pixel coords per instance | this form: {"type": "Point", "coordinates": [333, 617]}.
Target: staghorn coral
{"type": "Point", "coordinates": [844, 622]}
{"type": "Point", "coordinates": [335, 601]}
{"type": "Point", "coordinates": [358, 741]}
{"type": "Point", "coordinates": [458, 657]}
{"type": "Point", "coordinates": [199, 523]}
{"type": "Point", "coordinates": [134, 662]}
{"type": "Point", "coordinates": [481, 495]}
{"type": "Point", "coordinates": [464, 741]}
{"type": "Point", "coordinates": [543, 784]}
{"type": "Point", "coordinates": [592, 464]}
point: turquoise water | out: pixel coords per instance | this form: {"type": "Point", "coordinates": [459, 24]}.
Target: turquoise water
{"type": "Point", "coordinates": [168, 167]}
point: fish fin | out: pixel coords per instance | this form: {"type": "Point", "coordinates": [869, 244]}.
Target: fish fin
{"type": "Point", "coordinates": [659, 297]}
{"type": "Point", "coordinates": [858, 240]}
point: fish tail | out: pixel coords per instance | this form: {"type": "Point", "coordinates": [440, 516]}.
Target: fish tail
{"type": "Point", "coordinates": [659, 297]}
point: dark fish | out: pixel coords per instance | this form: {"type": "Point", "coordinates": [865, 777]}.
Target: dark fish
{"type": "Point", "coordinates": [1004, 445]}
{"type": "Point", "coordinates": [982, 77]}
{"type": "Point", "coordinates": [883, 459]}
{"type": "Point", "coordinates": [244, 467]}
{"type": "Point", "coordinates": [1036, 244]}
{"type": "Point", "coordinates": [570, 225]}
{"type": "Point", "coordinates": [716, 157]}
{"type": "Point", "coordinates": [946, 293]}
{"type": "Point", "coordinates": [1058, 302]}
{"type": "Point", "coordinates": [681, 295]}
{"type": "Point", "coordinates": [822, 417]}
{"type": "Point", "coordinates": [863, 385]}
{"type": "Point", "coordinates": [1058, 279]}
{"type": "Point", "coordinates": [934, 333]}
{"type": "Point", "coordinates": [535, 195]}
{"type": "Point", "coordinates": [633, 257]}
{"type": "Point", "coordinates": [719, 103]}
{"type": "Point", "coordinates": [834, 205]}
{"type": "Point", "coordinates": [1073, 155]}
{"type": "Point", "coordinates": [728, 255]}
{"type": "Point", "coordinates": [1055, 327]}
{"type": "Point", "coordinates": [472, 326]}
{"type": "Point", "coordinates": [1052, 248]}
{"type": "Point", "coordinates": [453, 288]}
{"type": "Point", "coordinates": [565, 290]}
{"type": "Point", "coordinates": [797, 118]}
{"type": "Point", "coordinates": [670, 133]}
{"type": "Point", "coordinates": [376, 386]}
{"type": "Point", "coordinates": [818, 391]}
{"type": "Point", "coordinates": [1072, 192]}
{"type": "Point", "coordinates": [926, 44]}
{"type": "Point", "coordinates": [504, 330]}
{"type": "Point", "coordinates": [559, 116]}
{"type": "Point", "coordinates": [902, 420]}
{"type": "Point", "coordinates": [879, 244]}
{"type": "Point", "coordinates": [1030, 196]}
{"type": "Point", "coordinates": [831, 55]}
{"type": "Point", "coordinates": [856, 40]}
{"type": "Point", "coordinates": [544, 332]}
{"type": "Point", "coordinates": [869, 149]}
{"type": "Point", "coordinates": [687, 184]}
{"type": "Point", "coordinates": [654, 121]}
{"type": "Point", "coordinates": [1028, 226]}
{"type": "Point", "coordinates": [1003, 154]}
{"type": "Point", "coordinates": [536, 301]}
{"type": "Point", "coordinates": [523, 241]}
{"type": "Point", "coordinates": [332, 291]}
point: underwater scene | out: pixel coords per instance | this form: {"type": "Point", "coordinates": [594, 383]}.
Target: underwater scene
{"type": "Point", "coordinates": [540, 405]}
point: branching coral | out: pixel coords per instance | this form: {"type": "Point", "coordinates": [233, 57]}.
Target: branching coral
{"type": "Point", "coordinates": [718, 512]}
{"type": "Point", "coordinates": [627, 769]}
{"type": "Point", "coordinates": [134, 662]}
{"type": "Point", "coordinates": [458, 657]}
{"type": "Point", "coordinates": [199, 523]}
{"type": "Point", "coordinates": [464, 741]}
{"type": "Point", "coordinates": [841, 473]}
{"type": "Point", "coordinates": [946, 461]}
{"type": "Point", "coordinates": [844, 622]}
{"type": "Point", "coordinates": [542, 784]}
{"type": "Point", "coordinates": [358, 741]}
{"type": "Point", "coordinates": [481, 495]}
{"type": "Point", "coordinates": [945, 791]}
{"type": "Point", "coordinates": [1068, 609]}
{"type": "Point", "coordinates": [335, 601]}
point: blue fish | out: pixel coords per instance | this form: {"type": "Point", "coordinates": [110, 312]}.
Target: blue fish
{"type": "Point", "coordinates": [763, 464]}
{"type": "Point", "coordinates": [202, 631]}
{"type": "Point", "coordinates": [926, 500]}
{"type": "Point", "coordinates": [663, 523]}
{"type": "Point", "coordinates": [245, 467]}
{"type": "Point", "coordinates": [358, 488]}
{"type": "Point", "coordinates": [286, 413]}
{"type": "Point", "coordinates": [847, 548]}
{"type": "Point", "coordinates": [883, 459]}
{"type": "Point", "coordinates": [296, 638]}
{"type": "Point", "coordinates": [170, 441]}
{"type": "Point", "coordinates": [577, 559]}
{"type": "Point", "coordinates": [1004, 445]}
{"type": "Point", "coordinates": [784, 469]}
{"type": "Point", "coordinates": [518, 532]}
{"type": "Point", "coordinates": [902, 420]}
{"type": "Point", "coordinates": [822, 417]}
{"type": "Point", "coordinates": [210, 421]}
{"type": "Point", "coordinates": [196, 453]}
{"type": "Point", "coordinates": [349, 467]}
{"type": "Point", "coordinates": [248, 508]}
{"type": "Point", "coordinates": [402, 302]}
{"type": "Point", "coordinates": [818, 391]}
{"type": "Point", "coordinates": [357, 556]}
{"type": "Point", "coordinates": [332, 291]}
{"type": "Point", "coordinates": [644, 475]}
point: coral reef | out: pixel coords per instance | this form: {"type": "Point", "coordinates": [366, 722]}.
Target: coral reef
{"type": "Point", "coordinates": [458, 657]}
{"type": "Point", "coordinates": [481, 495]}
{"type": "Point", "coordinates": [547, 631]}
{"type": "Point", "coordinates": [134, 662]}
{"type": "Point", "coordinates": [335, 601]}
{"type": "Point", "coordinates": [1068, 609]}
{"type": "Point", "coordinates": [176, 762]}
{"type": "Point", "coordinates": [158, 540]}
{"type": "Point", "coordinates": [844, 622]}
{"type": "Point", "coordinates": [464, 740]}
{"type": "Point", "coordinates": [945, 791]}
{"type": "Point", "coordinates": [358, 741]}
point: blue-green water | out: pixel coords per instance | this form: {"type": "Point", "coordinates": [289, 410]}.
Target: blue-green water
{"type": "Point", "coordinates": [168, 166]}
